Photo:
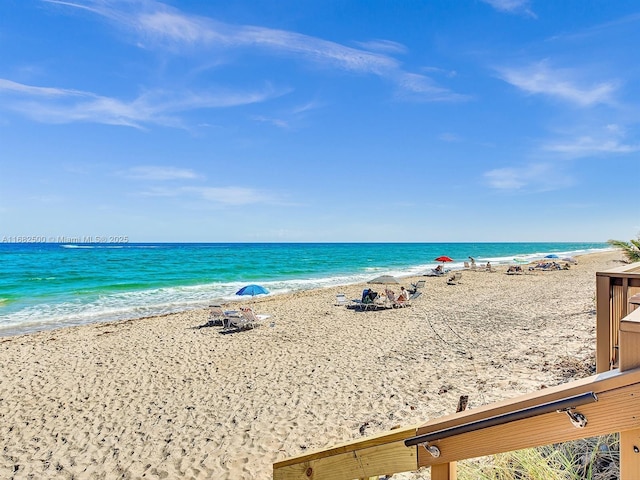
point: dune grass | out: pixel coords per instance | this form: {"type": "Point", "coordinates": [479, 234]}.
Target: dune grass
{"type": "Point", "coordinates": [596, 458]}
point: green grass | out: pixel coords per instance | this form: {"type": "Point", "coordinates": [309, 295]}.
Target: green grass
{"type": "Point", "coordinates": [596, 458]}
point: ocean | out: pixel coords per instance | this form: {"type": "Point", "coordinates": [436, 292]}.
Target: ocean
{"type": "Point", "coordinates": [51, 285]}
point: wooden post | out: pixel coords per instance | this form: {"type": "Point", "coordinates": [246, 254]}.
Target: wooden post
{"type": "Point", "coordinates": [444, 471]}
{"type": "Point", "coordinates": [629, 359]}
{"type": "Point", "coordinates": [603, 324]}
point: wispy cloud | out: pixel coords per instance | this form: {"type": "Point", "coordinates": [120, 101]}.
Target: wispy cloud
{"type": "Point", "coordinates": [154, 172]}
{"type": "Point", "coordinates": [56, 105]}
{"type": "Point", "coordinates": [535, 177]}
{"type": "Point", "coordinates": [585, 146]}
{"type": "Point", "coordinates": [46, 92]}
{"type": "Point", "coordinates": [539, 78]}
{"type": "Point", "coordinates": [519, 7]}
{"type": "Point", "coordinates": [228, 195]}
{"type": "Point", "coordinates": [156, 25]}
{"type": "Point", "coordinates": [418, 87]}
{"type": "Point", "coordinates": [385, 46]}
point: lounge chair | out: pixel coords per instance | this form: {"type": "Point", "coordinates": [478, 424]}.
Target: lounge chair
{"type": "Point", "coordinates": [408, 301]}
{"type": "Point", "coordinates": [466, 266]}
{"type": "Point", "coordinates": [218, 316]}
{"type": "Point", "coordinates": [435, 272]}
{"type": "Point", "coordinates": [417, 286]}
{"type": "Point", "coordinates": [454, 279]}
{"type": "Point", "coordinates": [370, 301]}
{"type": "Point", "coordinates": [249, 319]}
{"type": "Point", "coordinates": [368, 304]}
{"type": "Point", "coordinates": [341, 299]}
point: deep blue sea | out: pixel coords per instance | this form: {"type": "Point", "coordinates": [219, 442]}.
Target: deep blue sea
{"type": "Point", "coordinates": [50, 285]}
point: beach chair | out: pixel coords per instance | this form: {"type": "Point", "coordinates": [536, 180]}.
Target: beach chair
{"type": "Point", "coordinates": [341, 299]}
{"type": "Point", "coordinates": [216, 314]}
{"type": "Point", "coordinates": [466, 266]}
{"type": "Point", "coordinates": [417, 286]}
{"type": "Point", "coordinates": [454, 279]}
{"type": "Point", "coordinates": [409, 301]}
{"type": "Point", "coordinates": [249, 319]}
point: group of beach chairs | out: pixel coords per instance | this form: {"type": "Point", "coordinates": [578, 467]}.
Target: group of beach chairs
{"type": "Point", "coordinates": [242, 319]}
{"type": "Point", "coordinates": [372, 300]}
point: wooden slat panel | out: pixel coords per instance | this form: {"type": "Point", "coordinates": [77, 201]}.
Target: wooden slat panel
{"type": "Point", "coordinates": [379, 460]}
{"type": "Point", "coordinates": [630, 359]}
{"type": "Point", "coordinates": [602, 382]}
{"type": "Point", "coordinates": [372, 441]}
{"type": "Point", "coordinates": [617, 410]}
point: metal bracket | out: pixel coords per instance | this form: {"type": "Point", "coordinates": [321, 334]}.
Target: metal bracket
{"type": "Point", "coordinates": [578, 420]}
{"type": "Point", "coordinates": [432, 449]}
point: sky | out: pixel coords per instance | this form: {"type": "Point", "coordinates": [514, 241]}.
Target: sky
{"type": "Point", "coordinates": [320, 120]}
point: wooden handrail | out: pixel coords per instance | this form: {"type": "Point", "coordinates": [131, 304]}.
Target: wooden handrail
{"type": "Point", "coordinates": [617, 410]}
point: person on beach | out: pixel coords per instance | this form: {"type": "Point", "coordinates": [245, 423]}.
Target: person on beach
{"type": "Point", "coordinates": [404, 295]}
{"type": "Point", "coordinates": [438, 269]}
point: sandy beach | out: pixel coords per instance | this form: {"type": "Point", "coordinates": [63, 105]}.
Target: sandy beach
{"type": "Point", "coordinates": [173, 397]}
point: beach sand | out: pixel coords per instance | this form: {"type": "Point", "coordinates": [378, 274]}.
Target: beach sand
{"type": "Point", "coordinates": [169, 397]}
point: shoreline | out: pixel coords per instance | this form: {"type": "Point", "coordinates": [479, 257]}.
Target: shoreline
{"type": "Point", "coordinates": [169, 396]}
{"type": "Point", "coordinates": [109, 307]}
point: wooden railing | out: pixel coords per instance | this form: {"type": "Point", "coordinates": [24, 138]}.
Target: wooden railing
{"type": "Point", "coordinates": [601, 404]}
{"type": "Point", "coordinates": [614, 288]}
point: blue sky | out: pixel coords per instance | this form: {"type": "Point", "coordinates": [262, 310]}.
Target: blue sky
{"type": "Point", "coordinates": [320, 120]}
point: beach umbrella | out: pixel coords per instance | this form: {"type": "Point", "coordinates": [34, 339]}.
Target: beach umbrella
{"type": "Point", "coordinates": [551, 255]}
{"type": "Point", "coordinates": [444, 259]}
{"type": "Point", "coordinates": [252, 290]}
{"type": "Point", "coordinates": [384, 280]}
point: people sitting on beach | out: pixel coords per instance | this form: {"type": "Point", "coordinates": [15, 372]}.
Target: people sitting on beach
{"type": "Point", "coordinates": [368, 295]}
{"type": "Point", "coordinates": [365, 295]}
{"type": "Point", "coordinates": [566, 266]}
{"type": "Point", "coordinates": [404, 295]}
{"type": "Point", "coordinates": [438, 269]}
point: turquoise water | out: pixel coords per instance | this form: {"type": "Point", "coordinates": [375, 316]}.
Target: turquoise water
{"type": "Point", "coordinates": [52, 285]}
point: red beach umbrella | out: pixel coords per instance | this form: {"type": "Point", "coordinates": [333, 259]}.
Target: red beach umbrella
{"type": "Point", "coordinates": [443, 259]}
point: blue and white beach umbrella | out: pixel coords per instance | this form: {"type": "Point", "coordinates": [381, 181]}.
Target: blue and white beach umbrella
{"type": "Point", "coordinates": [252, 290]}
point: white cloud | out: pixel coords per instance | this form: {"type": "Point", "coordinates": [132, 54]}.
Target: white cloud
{"type": "Point", "coordinates": [151, 172]}
{"type": "Point", "coordinates": [54, 105]}
{"type": "Point", "coordinates": [30, 90]}
{"type": "Point", "coordinates": [534, 177]}
{"type": "Point", "coordinates": [229, 195]}
{"type": "Point", "coordinates": [512, 6]}
{"type": "Point", "coordinates": [386, 46]}
{"type": "Point", "coordinates": [232, 195]}
{"type": "Point", "coordinates": [539, 78]}
{"type": "Point", "coordinates": [589, 146]}
{"type": "Point", "coordinates": [156, 24]}
{"type": "Point", "coordinates": [607, 139]}
{"type": "Point", "coordinates": [418, 87]}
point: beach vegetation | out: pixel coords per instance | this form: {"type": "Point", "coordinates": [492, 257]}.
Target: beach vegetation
{"type": "Point", "coordinates": [596, 458]}
{"type": "Point", "coordinates": [630, 249]}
